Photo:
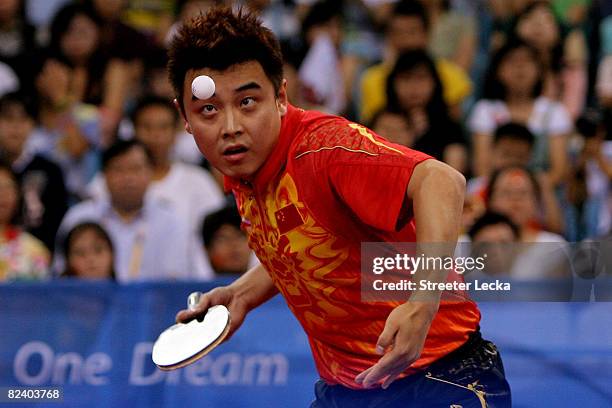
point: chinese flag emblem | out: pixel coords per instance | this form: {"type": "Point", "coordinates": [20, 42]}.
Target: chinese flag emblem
{"type": "Point", "coordinates": [287, 218]}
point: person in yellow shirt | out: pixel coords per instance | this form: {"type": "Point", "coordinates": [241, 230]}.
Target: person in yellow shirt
{"type": "Point", "coordinates": [407, 30]}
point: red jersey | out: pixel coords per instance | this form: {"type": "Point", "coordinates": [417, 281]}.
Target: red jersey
{"type": "Point", "coordinates": [328, 185]}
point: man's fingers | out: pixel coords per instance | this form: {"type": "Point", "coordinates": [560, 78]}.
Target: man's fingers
{"type": "Point", "coordinates": [392, 377]}
{"type": "Point", "coordinates": [362, 375]}
{"type": "Point", "coordinates": [380, 370]}
{"type": "Point", "coordinates": [185, 316]}
{"type": "Point", "coordinates": [198, 311]}
{"type": "Point", "coordinates": [385, 340]}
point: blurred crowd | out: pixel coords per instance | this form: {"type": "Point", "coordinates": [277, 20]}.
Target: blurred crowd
{"type": "Point", "coordinates": [98, 178]}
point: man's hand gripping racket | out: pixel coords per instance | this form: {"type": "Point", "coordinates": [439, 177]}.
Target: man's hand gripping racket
{"type": "Point", "coordinates": [209, 319]}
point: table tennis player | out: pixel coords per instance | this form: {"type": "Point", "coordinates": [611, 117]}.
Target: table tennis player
{"type": "Point", "coordinates": [310, 187]}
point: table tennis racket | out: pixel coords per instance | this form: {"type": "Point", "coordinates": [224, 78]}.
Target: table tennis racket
{"type": "Point", "coordinates": [184, 343]}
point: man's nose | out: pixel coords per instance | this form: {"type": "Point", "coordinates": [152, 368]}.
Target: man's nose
{"type": "Point", "coordinates": [231, 124]}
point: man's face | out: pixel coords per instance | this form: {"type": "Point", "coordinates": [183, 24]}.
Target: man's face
{"type": "Point", "coordinates": [229, 251]}
{"type": "Point", "coordinates": [511, 152]}
{"type": "Point", "coordinates": [127, 178]}
{"type": "Point", "coordinates": [414, 88]}
{"type": "Point", "coordinates": [495, 243]}
{"type": "Point", "coordinates": [15, 126]}
{"type": "Point", "coordinates": [407, 33]}
{"type": "Point", "coordinates": [238, 127]}
{"type": "Point", "coordinates": [155, 126]}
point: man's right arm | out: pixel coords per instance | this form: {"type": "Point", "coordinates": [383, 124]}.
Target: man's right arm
{"type": "Point", "coordinates": [255, 287]}
{"type": "Point", "coordinates": [240, 297]}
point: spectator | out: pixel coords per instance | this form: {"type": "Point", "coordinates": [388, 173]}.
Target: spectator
{"type": "Point", "coordinates": [185, 11]}
{"type": "Point", "coordinates": [603, 85]}
{"type": "Point", "coordinates": [393, 126]}
{"type": "Point", "coordinates": [278, 16]}
{"type": "Point", "coordinates": [572, 13]}
{"type": "Point", "coordinates": [512, 146]}
{"type": "Point", "coordinates": [157, 84]}
{"type": "Point", "coordinates": [414, 87]}
{"type": "Point", "coordinates": [407, 30]}
{"type": "Point", "coordinates": [292, 58]}
{"type": "Point", "coordinates": [21, 255]}
{"type": "Point", "coordinates": [495, 236]}
{"type": "Point", "coordinates": [589, 190]}
{"type": "Point", "coordinates": [156, 77]}
{"type": "Point", "coordinates": [504, 14]}
{"type": "Point", "coordinates": [89, 253]}
{"type": "Point", "coordinates": [154, 18]}
{"type": "Point", "coordinates": [564, 57]}
{"type": "Point", "coordinates": [70, 131]}
{"type": "Point", "coordinates": [117, 38]}
{"type": "Point", "coordinates": [45, 199]}
{"type": "Point", "coordinates": [17, 41]}
{"type": "Point", "coordinates": [320, 73]}
{"type": "Point", "coordinates": [225, 243]}
{"type": "Point", "coordinates": [123, 43]}
{"type": "Point", "coordinates": [190, 190]}
{"type": "Point", "coordinates": [94, 76]}
{"type": "Point", "coordinates": [67, 133]}
{"type": "Point", "coordinates": [512, 93]}
{"type": "Point", "coordinates": [453, 34]}
{"type": "Point", "coordinates": [139, 226]}
{"type": "Point", "coordinates": [494, 228]}
{"type": "Point", "coordinates": [603, 12]}
{"type": "Point", "coordinates": [515, 193]}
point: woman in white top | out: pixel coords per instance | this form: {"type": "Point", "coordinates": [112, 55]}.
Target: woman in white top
{"type": "Point", "coordinates": [512, 92]}
{"type": "Point", "coordinates": [564, 54]}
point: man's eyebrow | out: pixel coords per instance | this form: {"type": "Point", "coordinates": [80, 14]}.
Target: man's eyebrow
{"type": "Point", "coordinates": [195, 98]}
{"type": "Point", "coordinates": [245, 87]}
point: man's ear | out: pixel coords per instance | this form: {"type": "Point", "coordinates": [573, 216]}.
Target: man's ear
{"type": "Point", "coordinates": [281, 100]}
{"type": "Point", "coordinates": [180, 110]}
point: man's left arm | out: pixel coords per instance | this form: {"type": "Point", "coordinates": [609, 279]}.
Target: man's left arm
{"type": "Point", "coordinates": [436, 191]}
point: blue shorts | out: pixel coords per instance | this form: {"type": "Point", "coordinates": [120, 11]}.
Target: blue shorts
{"type": "Point", "coordinates": [470, 377]}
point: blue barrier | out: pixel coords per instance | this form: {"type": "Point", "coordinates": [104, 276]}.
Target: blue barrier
{"type": "Point", "coordinates": [94, 340]}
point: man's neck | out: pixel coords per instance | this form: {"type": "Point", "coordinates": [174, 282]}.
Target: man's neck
{"type": "Point", "coordinates": [161, 170]}
{"type": "Point", "coordinates": [519, 98]}
{"type": "Point", "coordinates": [127, 215]}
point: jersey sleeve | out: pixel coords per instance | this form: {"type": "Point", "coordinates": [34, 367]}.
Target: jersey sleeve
{"type": "Point", "coordinates": [371, 177]}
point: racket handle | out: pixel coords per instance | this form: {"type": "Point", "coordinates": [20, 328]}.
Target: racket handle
{"type": "Point", "coordinates": [193, 300]}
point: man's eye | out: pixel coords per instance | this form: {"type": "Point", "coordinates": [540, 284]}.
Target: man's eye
{"type": "Point", "coordinates": [248, 101]}
{"type": "Point", "coordinates": [208, 108]}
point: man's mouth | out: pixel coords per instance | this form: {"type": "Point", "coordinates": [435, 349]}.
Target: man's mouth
{"type": "Point", "coordinates": [235, 153]}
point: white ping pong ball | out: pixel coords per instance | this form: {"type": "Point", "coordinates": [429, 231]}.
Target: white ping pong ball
{"type": "Point", "coordinates": [203, 87]}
